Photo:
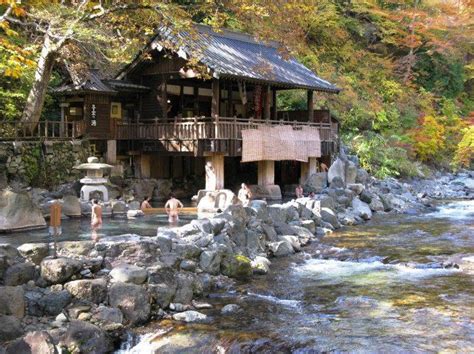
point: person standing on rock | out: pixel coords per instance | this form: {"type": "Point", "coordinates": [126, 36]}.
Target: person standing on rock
{"type": "Point", "coordinates": [172, 207]}
{"type": "Point", "coordinates": [244, 194]}
{"type": "Point", "coordinates": [145, 204]}
{"type": "Point", "coordinates": [96, 219]}
{"type": "Point", "coordinates": [299, 191]}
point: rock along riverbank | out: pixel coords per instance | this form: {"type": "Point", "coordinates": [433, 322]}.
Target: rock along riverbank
{"type": "Point", "coordinates": [87, 298]}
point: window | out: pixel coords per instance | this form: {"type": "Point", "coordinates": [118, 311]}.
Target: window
{"type": "Point", "coordinates": [116, 110]}
{"type": "Point", "coordinates": [75, 111]}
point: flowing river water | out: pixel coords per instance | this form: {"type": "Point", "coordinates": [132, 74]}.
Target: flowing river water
{"type": "Point", "coordinates": [377, 287]}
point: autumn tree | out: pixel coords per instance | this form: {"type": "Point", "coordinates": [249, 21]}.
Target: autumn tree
{"type": "Point", "coordinates": [85, 31]}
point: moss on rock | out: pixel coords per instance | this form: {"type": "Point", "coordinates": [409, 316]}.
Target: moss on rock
{"type": "Point", "coordinates": [236, 266]}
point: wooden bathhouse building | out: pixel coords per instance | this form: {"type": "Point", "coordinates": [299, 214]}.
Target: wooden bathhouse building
{"type": "Point", "coordinates": [191, 99]}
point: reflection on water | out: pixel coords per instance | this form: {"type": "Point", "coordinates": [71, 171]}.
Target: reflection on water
{"type": "Point", "coordinates": [381, 288]}
{"type": "Point", "coordinates": [80, 229]}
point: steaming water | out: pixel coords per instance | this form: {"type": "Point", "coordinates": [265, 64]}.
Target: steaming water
{"type": "Point", "coordinates": [378, 287]}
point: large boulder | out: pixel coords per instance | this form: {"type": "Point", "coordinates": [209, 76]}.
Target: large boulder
{"type": "Point", "coordinates": [337, 169]}
{"type": "Point", "coordinates": [19, 274]}
{"type": "Point", "coordinates": [281, 248]}
{"type": "Point", "coordinates": [162, 285]}
{"type": "Point", "coordinates": [376, 204]}
{"type": "Point", "coordinates": [210, 261]}
{"type": "Point", "coordinates": [12, 301]}
{"type": "Point", "coordinates": [350, 173]}
{"type": "Point", "coordinates": [129, 273]}
{"type": "Point", "coordinates": [83, 337]}
{"type": "Point", "coordinates": [132, 300]}
{"type": "Point", "coordinates": [185, 288]}
{"type": "Point", "coordinates": [361, 209]}
{"type": "Point", "coordinates": [18, 212]}
{"type": "Point", "coordinates": [261, 265]}
{"type": "Point", "coordinates": [92, 290]}
{"type": "Point", "coordinates": [316, 182]}
{"type": "Point", "coordinates": [71, 206]}
{"type": "Point", "coordinates": [362, 176]}
{"type": "Point", "coordinates": [189, 316]}
{"type": "Point", "coordinates": [10, 328]}
{"type": "Point", "coordinates": [236, 266]}
{"type": "Point", "coordinates": [54, 302]}
{"type": "Point", "coordinates": [329, 216]}
{"type": "Point", "coordinates": [59, 270]}
{"type": "Point", "coordinates": [108, 315]}
{"type": "Point", "coordinates": [260, 208]}
{"type": "Point", "coordinates": [38, 342]}
{"type": "Point", "coordinates": [34, 252]}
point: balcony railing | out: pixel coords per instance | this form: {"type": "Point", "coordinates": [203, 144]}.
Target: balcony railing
{"type": "Point", "coordinates": [177, 129]}
{"type": "Point", "coordinates": [207, 128]}
{"type": "Point", "coordinates": [42, 130]}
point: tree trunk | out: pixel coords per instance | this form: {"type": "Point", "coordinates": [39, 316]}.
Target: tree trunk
{"type": "Point", "coordinates": [35, 101]}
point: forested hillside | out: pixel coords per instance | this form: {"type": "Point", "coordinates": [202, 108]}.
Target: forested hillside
{"type": "Point", "coordinates": [405, 67]}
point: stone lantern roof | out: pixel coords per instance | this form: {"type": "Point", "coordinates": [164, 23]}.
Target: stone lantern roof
{"type": "Point", "coordinates": [93, 164]}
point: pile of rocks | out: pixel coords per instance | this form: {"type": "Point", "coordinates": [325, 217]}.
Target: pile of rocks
{"type": "Point", "coordinates": [103, 287]}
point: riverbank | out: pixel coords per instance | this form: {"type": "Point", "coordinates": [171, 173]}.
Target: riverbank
{"type": "Point", "coordinates": [87, 298]}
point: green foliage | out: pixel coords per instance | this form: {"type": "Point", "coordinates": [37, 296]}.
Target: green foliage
{"type": "Point", "coordinates": [31, 159]}
{"type": "Point", "coordinates": [404, 67]}
{"type": "Point", "coordinates": [381, 156]}
{"type": "Point", "coordinates": [443, 75]}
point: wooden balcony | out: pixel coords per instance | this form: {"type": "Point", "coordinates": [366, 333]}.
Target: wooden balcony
{"type": "Point", "coordinates": [196, 136]}
{"type": "Point", "coordinates": [208, 129]}
{"type": "Point", "coordinates": [54, 130]}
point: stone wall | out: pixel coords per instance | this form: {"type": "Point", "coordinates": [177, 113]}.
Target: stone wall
{"type": "Point", "coordinates": [41, 163]}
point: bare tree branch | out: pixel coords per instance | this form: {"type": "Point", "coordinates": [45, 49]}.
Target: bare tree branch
{"type": "Point", "coordinates": [6, 13]}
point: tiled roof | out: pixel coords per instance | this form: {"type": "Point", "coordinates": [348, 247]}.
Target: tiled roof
{"type": "Point", "coordinates": [92, 82]}
{"type": "Point", "coordinates": [235, 55]}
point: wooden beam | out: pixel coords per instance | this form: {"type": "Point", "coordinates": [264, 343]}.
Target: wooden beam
{"type": "Point", "coordinates": [310, 105]}
{"type": "Point", "coordinates": [266, 107]}
{"type": "Point", "coordinates": [215, 98]}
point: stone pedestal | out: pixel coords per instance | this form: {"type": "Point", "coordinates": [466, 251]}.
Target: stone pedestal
{"type": "Point", "coordinates": [211, 201]}
{"type": "Point", "coordinates": [266, 173]}
{"type": "Point", "coordinates": [214, 172]}
{"type": "Point", "coordinates": [268, 192]}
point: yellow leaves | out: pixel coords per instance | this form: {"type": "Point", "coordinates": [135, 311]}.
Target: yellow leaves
{"type": "Point", "coordinates": [429, 139]}
{"type": "Point", "coordinates": [464, 155]}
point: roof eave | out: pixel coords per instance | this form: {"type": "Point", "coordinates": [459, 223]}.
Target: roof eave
{"type": "Point", "coordinates": [284, 85]}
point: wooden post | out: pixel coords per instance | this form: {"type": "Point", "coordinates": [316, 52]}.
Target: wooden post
{"type": "Point", "coordinates": [266, 173]}
{"type": "Point", "coordinates": [274, 104]}
{"type": "Point", "coordinates": [266, 108]}
{"type": "Point", "coordinates": [310, 106]}
{"type": "Point", "coordinates": [215, 98]}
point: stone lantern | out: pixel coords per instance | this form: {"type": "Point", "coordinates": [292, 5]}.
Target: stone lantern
{"type": "Point", "coordinates": [94, 180]}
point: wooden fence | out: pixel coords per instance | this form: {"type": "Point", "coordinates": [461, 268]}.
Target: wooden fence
{"type": "Point", "coordinates": [44, 129]}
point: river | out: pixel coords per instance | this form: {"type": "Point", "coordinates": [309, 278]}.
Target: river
{"type": "Point", "coordinates": [377, 287]}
